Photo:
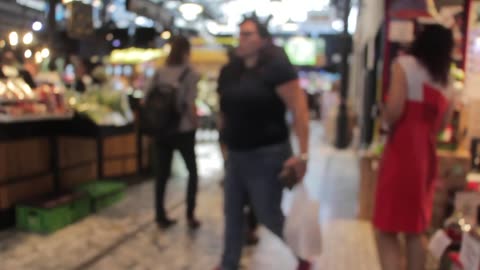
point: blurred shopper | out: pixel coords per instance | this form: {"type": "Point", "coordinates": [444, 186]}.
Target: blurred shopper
{"type": "Point", "coordinates": [256, 89]}
{"type": "Point", "coordinates": [416, 110]}
{"type": "Point", "coordinates": [252, 222]}
{"type": "Point", "coordinates": [178, 72]}
{"type": "Point", "coordinates": [11, 67]}
{"type": "Point", "coordinates": [83, 79]}
{"type": "Point", "coordinates": [51, 75]}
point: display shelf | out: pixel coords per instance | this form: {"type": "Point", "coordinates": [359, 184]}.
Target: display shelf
{"type": "Point", "coordinates": [116, 153]}
{"type": "Point", "coordinates": [81, 126]}
{"type": "Point", "coordinates": [7, 119]}
{"type": "Point", "coordinates": [16, 101]}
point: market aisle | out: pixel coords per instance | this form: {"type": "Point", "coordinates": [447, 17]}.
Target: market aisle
{"type": "Point", "coordinates": [124, 237]}
{"type": "Point", "coordinates": [348, 243]}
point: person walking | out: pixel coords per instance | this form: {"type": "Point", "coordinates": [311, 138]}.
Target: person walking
{"type": "Point", "coordinates": [417, 108]}
{"type": "Point", "coordinates": [179, 73]}
{"type": "Point", "coordinates": [256, 89]}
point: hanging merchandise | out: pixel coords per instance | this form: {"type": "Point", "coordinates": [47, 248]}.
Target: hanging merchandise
{"type": "Point", "coordinates": [80, 22]}
{"type": "Point", "coordinates": [19, 102]}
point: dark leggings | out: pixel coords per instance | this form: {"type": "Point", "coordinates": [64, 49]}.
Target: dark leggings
{"type": "Point", "coordinates": [185, 143]}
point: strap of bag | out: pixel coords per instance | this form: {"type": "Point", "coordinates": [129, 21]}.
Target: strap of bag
{"type": "Point", "coordinates": [183, 75]}
{"type": "Point", "coordinates": [181, 79]}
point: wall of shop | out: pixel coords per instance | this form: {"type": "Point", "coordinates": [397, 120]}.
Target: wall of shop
{"type": "Point", "coordinates": [14, 16]}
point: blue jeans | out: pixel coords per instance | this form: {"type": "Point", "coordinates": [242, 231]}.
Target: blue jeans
{"type": "Point", "coordinates": [252, 175]}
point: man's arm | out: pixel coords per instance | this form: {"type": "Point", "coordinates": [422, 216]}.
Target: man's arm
{"type": "Point", "coordinates": [295, 100]}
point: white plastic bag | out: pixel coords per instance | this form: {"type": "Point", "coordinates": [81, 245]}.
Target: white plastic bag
{"type": "Point", "coordinates": [302, 228]}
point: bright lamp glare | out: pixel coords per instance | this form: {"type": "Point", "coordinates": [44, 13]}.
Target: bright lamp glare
{"type": "Point", "coordinates": [166, 35]}
{"type": "Point", "coordinates": [290, 27]}
{"type": "Point", "coordinates": [45, 53]}
{"type": "Point", "coordinates": [338, 25]}
{"type": "Point", "coordinates": [190, 11]}
{"type": "Point", "coordinates": [213, 27]}
{"type": "Point", "coordinates": [28, 54]}
{"type": "Point", "coordinates": [38, 57]}
{"type": "Point", "coordinates": [28, 38]}
{"type": "Point", "coordinates": [37, 26]}
{"type": "Point", "coordinates": [13, 38]}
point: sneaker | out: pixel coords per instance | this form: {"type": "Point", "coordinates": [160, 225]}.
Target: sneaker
{"type": "Point", "coordinates": [251, 239]}
{"type": "Point", "coordinates": [304, 265]}
{"type": "Point", "coordinates": [166, 223]}
{"type": "Point", "coordinates": [194, 224]}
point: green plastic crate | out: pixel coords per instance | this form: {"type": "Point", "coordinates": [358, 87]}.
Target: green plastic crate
{"type": "Point", "coordinates": [43, 220]}
{"type": "Point", "coordinates": [81, 208]}
{"type": "Point", "coordinates": [104, 193]}
{"type": "Point", "coordinates": [52, 214]}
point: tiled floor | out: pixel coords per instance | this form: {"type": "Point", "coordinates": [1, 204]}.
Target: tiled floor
{"type": "Point", "coordinates": [124, 236]}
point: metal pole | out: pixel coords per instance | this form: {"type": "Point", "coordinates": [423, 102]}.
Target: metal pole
{"type": "Point", "coordinates": [51, 23]}
{"type": "Point", "coordinates": [342, 140]}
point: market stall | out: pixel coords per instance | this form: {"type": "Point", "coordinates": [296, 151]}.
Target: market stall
{"type": "Point", "coordinates": [29, 123]}
{"type": "Point", "coordinates": [456, 202]}
{"type": "Point", "coordinates": [402, 22]}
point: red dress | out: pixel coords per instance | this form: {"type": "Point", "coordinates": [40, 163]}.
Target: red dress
{"type": "Point", "coordinates": [409, 164]}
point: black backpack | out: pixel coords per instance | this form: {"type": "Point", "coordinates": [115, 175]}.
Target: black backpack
{"type": "Point", "coordinates": [161, 114]}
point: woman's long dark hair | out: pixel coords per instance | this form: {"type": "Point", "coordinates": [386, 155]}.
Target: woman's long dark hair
{"type": "Point", "coordinates": [180, 48]}
{"type": "Point", "coordinates": [433, 48]}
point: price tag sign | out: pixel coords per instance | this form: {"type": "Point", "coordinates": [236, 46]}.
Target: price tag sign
{"type": "Point", "coordinates": [470, 253]}
{"type": "Point", "coordinates": [439, 244]}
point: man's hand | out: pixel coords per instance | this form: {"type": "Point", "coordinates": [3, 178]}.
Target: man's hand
{"type": "Point", "coordinates": [299, 165]}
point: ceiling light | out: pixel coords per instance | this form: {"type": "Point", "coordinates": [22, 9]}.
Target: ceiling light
{"type": "Point", "coordinates": [45, 53]}
{"type": "Point", "coordinates": [28, 38]}
{"type": "Point", "coordinates": [37, 26]}
{"type": "Point", "coordinates": [190, 11]}
{"type": "Point", "coordinates": [213, 27]}
{"type": "Point", "coordinates": [262, 8]}
{"type": "Point", "coordinates": [171, 4]}
{"type": "Point", "coordinates": [290, 26]}
{"type": "Point", "coordinates": [28, 54]}
{"type": "Point", "coordinates": [166, 35]}
{"type": "Point", "coordinates": [140, 20]}
{"type": "Point", "coordinates": [38, 57]}
{"type": "Point", "coordinates": [96, 3]}
{"type": "Point", "coordinates": [109, 37]}
{"type": "Point", "coordinates": [338, 25]}
{"type": "Point", "coordinates": [280, 12]}
{"type": "Point", "coordinates": [13, 38]}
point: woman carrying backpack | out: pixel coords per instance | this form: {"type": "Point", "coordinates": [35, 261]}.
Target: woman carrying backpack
{"type": "Point", "coordinates": [178, 77]}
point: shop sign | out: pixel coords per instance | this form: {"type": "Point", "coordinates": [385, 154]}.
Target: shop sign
{"type": "Point", "coordinates": [149, 9]}
{"type": "Point", "coordinates": [39, 5]}
{"type": "Point", "coordinates": [135, 55]}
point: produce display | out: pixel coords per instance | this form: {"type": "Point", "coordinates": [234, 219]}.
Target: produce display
{"type": "Point", "coordinates": [18, 101]}
{"type": "Point", "coordinates": [105, 107]}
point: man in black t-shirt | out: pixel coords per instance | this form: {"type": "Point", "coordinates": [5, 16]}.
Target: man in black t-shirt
{"type": "Point", "coordinates": [256, 89]}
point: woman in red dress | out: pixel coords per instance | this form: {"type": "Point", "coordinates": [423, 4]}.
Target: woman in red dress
{"type": "Point", "coordinates": [416, 110]}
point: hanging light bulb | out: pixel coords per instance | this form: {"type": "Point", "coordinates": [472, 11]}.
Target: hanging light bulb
{"type": "Point", "coordinates": [28, 38]}
{"type": "Point", "coordinates": [166, 35]}
{"type": "Point", "coordinates": [190, 11]}
{"type": "Point", "coordinates": [45, 53]}
{"type": "Point", "coordinates": [37, 26]}
{"type": "Point", "coordinates": [28, 54]}
{"type": "Point", "coordinates": [13, 38]}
